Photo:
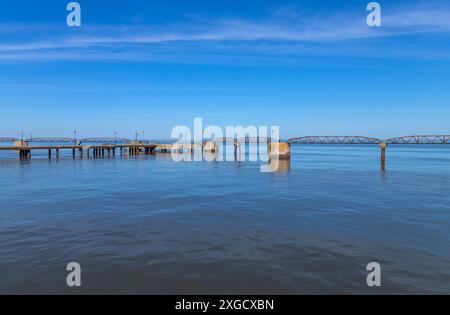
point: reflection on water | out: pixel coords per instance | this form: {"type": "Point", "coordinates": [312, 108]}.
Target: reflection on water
{"type": "Point", "coordinates": [147, 224]}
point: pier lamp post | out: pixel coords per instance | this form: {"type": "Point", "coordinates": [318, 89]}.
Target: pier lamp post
{"type": "Point", "coordinates": [75, 137]}
{"type": "Point", "coordinates": [115, 137]}
{"type": "Point", "coordinates": [136, 134]}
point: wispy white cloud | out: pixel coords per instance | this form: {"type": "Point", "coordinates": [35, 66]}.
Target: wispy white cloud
{"type": "Point", "coordinates": [290, 30]}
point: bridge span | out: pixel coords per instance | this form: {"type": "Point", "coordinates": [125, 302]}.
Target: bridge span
{"type": "Point", "coordinates": [417, 139]}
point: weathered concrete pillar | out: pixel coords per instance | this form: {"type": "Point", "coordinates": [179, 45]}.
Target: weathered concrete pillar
{"type": "Point", "coordinates": [280, 149]}
{"type": "Point", "coordinates": [383, 147]}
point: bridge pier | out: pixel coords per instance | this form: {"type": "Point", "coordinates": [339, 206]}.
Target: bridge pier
{"type": "Point", "coordinates": [383, 155]}
{"type": "Point", "coordinates": [73, 153]}
{"type": "Point", "coordinates": [280, 149]}
{"type": "Point", "coordinates": [49, 153]}
{"type": "Point", "coordinates": [57, 153]}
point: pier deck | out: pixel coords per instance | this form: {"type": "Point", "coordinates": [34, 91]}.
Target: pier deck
{"type": "Point", "coordinates": [101, 150]}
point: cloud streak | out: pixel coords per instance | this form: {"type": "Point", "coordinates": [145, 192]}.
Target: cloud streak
{"type": "Point", "coordinates": [159, 42]}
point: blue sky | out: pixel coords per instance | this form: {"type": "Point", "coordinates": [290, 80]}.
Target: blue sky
{"type": "Point", "coordinates": [311, 67]}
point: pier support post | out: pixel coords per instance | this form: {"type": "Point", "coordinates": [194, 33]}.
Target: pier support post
{"type": "Point", "coordinates": [49, 153]}
{"type": "Point", "coordinates": [57, 153]}
{"type": "Point", "coordinates": [87, 152]}
{"type": "Point", "coordinates": [210, 147]}
{"type": "Point", "coordinates": [383, 155]}
{"type": "Point", "coordinates": [81, 153]}
{"type": "Point", "coordinates": [73, 153]}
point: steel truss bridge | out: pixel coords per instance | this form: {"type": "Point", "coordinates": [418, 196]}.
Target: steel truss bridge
{"type": "Point", "coordinates": [417, 139]}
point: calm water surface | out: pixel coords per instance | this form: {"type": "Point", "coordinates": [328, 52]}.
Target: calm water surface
{"type": "Point", "coordinates": [150, 225]}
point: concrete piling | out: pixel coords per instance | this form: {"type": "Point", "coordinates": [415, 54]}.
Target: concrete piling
{"type": "Point", "coordinates": [280, 149]}
{"type": "Point", "coordinates": [383, 147]}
